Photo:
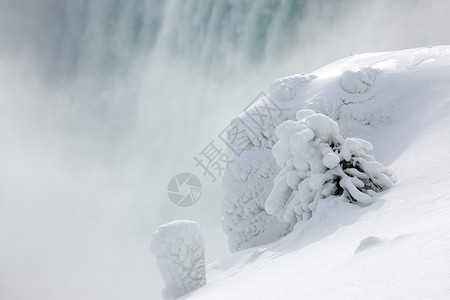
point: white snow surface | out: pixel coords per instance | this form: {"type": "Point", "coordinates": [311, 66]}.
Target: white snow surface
{"type": "Point", "coordinates": [396, 248]}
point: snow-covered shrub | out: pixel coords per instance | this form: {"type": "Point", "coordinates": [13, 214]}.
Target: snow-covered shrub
{"type": "Point", "coordinates": [317, 163]}
{"type": "Point", "coordinates": [179, 249]}
{"type": "Point", "coordinates": [248, 182]}
{"type": "Point", "coordinates": [249, 177]}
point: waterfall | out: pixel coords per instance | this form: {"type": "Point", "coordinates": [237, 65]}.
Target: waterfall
{"type": "Point", "coordinates": [79, 38]}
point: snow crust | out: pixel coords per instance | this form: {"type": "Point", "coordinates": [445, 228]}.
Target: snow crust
{"type": "Point", "coordinates": [179, 248]}
{"type": "Point", "coordinates": [396, 248]}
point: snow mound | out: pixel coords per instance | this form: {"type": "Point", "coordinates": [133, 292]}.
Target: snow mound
{"type": "Point", "coordinates": [351, 96]}
{"type": "Point", "coordinates": [179, 249]}
{"type": "Point", "coordinates": [358, 80]}
{"type": "Point", "coordinates": [253, 132]}
{"type": "Point", "coordinates": [317, 163]}
{"type": "Point", "coordinates": [378, 251]}
{"type": "Point", "coordinates": [284, 89]}
{"type": "Point", "coordinates": [368, 243]}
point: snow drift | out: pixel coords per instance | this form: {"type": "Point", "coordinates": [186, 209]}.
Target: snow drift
{"type": "Point", "coordinates": [400, 101]}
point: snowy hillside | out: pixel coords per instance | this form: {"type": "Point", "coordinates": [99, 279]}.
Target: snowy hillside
{"type": "Point", "coordinates": [104, 102]}
{"type": "Point", "coordinates": [398, 247]}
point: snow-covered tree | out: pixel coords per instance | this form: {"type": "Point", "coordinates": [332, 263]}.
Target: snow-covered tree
{"type": "Point", "coordinates": [179, 249]}
{"type": "Point", "coordinates": [248, 182]}
{"type": "Point", "coordinates": [250, 176]}
{"type": "Point", "coordinates": [317, 163]}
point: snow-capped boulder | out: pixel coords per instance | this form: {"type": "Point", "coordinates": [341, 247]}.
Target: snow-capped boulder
{"type": "Point", "coordinates": [179, 249]}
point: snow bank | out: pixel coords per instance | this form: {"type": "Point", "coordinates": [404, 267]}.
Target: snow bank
{"type": "Point", "coordinates": [179, 249]}
{"type": "Point", "coordinates": [380, 251]}
{"type": "Point", "coordinates": [346, 97]}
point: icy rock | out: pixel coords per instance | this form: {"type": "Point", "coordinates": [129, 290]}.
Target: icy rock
{"type": "Point", "coordinates": [179, 249]}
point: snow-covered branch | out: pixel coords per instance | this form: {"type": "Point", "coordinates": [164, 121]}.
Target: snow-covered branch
{"type": "Point", "coordinates": [179, 249]}
{"type": "Point", "coordinates": [317, 163]}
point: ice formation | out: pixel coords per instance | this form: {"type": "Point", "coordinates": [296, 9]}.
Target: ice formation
{"type": "Point", "coordinates": [249, 181]}
{"type": "Point", "coordinates": [317, 163]}
{"type": "Point", "coordinates": [179, 249]}
{"type": "Point", "coordinates": [284, 89]}
{"type": "Point", "coordinates": [249, 178]}
{"type": "Point", "coordinates": [358, 80]}
{"type": "Point", "coordinates": [248, 218]}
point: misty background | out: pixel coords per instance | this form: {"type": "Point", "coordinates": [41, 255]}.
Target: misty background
{"type": "Point", "coordinates": [102, 102]}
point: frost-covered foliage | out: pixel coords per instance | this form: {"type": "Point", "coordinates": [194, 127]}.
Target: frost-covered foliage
{"type": "Point", "coordinates": [317, 163]}
{"type": "Point", "coordinates": [248, 218]}
{"type": "Point", "coordinates": [179, 249]}
{"type": "Point", "coordinates": [249, 178]}
{"type": "Point", "coordinates": [249, 181]}
{"type": "Point", "coordinates": [351, 97]}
